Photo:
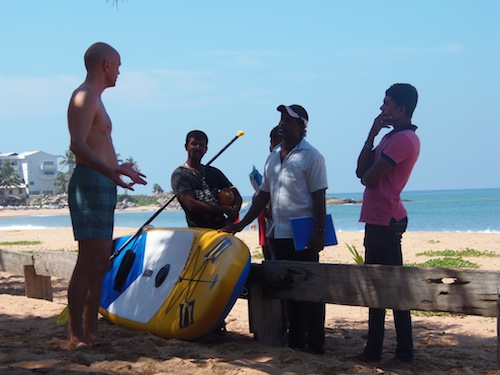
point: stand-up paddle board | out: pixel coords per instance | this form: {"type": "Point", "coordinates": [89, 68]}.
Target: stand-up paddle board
{"type": "Point", "coordinates": [181, 283]}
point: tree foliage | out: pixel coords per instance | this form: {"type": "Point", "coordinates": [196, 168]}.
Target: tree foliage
{"type": "Point", "coordinates": [9, 177]}
{"type": "Point", "coordinates": [132, 161]}
{"type": "Point", "coordinates": [68, 164]}
{"type": "Point", "coordinates": [157, 189]}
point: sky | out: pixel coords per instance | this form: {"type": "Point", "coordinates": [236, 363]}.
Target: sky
{"type": "Point", "coordinates": [224, 66]}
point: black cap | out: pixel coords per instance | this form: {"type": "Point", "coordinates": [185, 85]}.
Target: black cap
{"type": "Point", "coordinates": [295, 111]}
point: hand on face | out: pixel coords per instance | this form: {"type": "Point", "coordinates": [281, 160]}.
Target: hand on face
{"type": "Point", "coordinates": [392, 113]}
{"type": "Point", "coordinates": [386, 118]}
{"type": "Point", "coordinates": [383, 120]}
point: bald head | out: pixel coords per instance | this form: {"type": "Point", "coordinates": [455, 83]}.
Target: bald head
{"type": "Point", "coordinates": [97, 54]}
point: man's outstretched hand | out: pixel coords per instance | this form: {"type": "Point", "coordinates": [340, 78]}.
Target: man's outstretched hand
{"type": "Point", "coordinates": [127, 169]}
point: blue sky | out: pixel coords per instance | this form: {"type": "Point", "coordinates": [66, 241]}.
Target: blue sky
{"type": "Point", "coordinates": [224, 66]}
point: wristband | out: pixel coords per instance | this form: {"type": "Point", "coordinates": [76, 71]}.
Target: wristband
{"type": "Point", "coordinates": [368, 146]}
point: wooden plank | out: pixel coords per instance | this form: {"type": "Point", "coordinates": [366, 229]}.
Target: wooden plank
{"type": "Point", "coordinates": [406, 288]}
{"type": "Point", "coordinates": [37, 286]}
{"type": "Point", "coordinates": [52, 263]}
{"type": "Point", "coordinates": [14, 261]}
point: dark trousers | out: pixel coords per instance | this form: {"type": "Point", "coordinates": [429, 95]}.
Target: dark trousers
{"type": "Point", "coordinates": [306, 319]}
{"type": "Point", "coordinates": [383, 246]}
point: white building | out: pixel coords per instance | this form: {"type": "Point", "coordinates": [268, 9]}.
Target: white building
{"type": "Point", "coordinates": [37, 168]}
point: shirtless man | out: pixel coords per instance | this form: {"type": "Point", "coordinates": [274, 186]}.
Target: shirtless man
{"type": "Point", "coordinates": [92, 191]}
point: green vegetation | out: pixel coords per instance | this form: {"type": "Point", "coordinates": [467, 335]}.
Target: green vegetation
{"type": "Point", "coordinates": [434, 313]}
{"type": "Point", "coordinates": [449, 259]}
{"type": "Point", "coordinates": [140, 199]}
{"type": "Point", "coordinates": [258, 254]}
{"type": "Point", "coordinates": [460, 253]}
{"type": "Point", "coordinates": [447, 262]}
{"type": "Point", "coordinates": [62, 318]}
{"type": "Point", "coordinates": [157, 189]}
{"type": "Point", "coordinates": [68, 164]}
{"type": "Point", "coordinates": [356, 256]}
{"type": "Point", "coordinates": [22, 243]}
{"type": "Point", "coordinates": [9, 176]}
{"type": "Point", "coordinates": [453, 258]}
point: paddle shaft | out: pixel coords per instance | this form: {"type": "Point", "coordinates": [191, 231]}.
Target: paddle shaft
{"type": "Point", "coordinates": [131, 238]}
{"type": "Point", "coordinates": [223, 149]}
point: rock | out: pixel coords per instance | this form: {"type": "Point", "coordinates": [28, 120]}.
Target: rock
{"type": "Point", "coordinates": [337, 201]}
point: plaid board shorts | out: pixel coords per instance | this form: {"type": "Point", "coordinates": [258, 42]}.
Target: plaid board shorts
{"type": "Point", "coordinates": [92, 202]}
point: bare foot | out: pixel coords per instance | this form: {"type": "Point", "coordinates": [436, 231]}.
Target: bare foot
{"type": "Point", "coordinates": [76, 344]}
{"type": "Point", "coordinates": [94, 340]}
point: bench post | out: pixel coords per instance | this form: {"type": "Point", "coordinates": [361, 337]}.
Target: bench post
{"type": "Point", "coordinates": [498, 332]}
{"type": "Point", "coordinates": [37, 286]}
{"type": "Point", "coordinates": [266, 317]}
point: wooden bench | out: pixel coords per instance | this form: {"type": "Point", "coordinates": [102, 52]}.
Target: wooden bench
{"type": "Point", "coordinates": [38, 268]}
{"type": "Point", "coordinates": [470, 292]}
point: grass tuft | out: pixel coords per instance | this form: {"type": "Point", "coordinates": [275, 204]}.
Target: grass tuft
{"type": "Point", "coordinates": [356, 256]}
{"type": "Point", "coordinates": [467, 252]}
{"type": "Point", "coordinates": [447, 262]}
{"type": "Point", "coordinates": [435, 313]}
{"type": "Point", "coordinates": [21, 243]}
{"type": "Point", "coordinates": [257, 255]}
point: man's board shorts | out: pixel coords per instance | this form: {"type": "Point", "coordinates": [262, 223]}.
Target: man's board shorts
{"type": "Point", "coordinates": [92, 202]}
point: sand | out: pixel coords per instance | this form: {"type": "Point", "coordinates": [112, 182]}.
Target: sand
{"type": "Point", "coordinates": [31, 341]}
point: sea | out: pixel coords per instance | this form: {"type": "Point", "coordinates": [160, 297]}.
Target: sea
{"type": "Point", "coordinates": [470, 210]}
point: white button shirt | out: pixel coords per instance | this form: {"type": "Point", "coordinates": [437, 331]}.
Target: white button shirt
{"type": "Point", "coordinates": [291, 183]}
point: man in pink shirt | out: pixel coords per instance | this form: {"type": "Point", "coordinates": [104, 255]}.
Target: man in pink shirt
{"type": "Point", "coordinates": [385, 170]}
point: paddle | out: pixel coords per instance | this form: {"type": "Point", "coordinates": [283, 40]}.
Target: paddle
{"type": "Point", "coordinates": [238, 134]}
{"type": "Point", "coordinates": [129, 256]}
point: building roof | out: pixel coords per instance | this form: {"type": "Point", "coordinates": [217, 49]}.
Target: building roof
{"type": "Point", "coordinates": [28, 153]}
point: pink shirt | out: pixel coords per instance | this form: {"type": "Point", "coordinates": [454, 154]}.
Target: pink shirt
{"type": "Point", "coordinates": [382, 201]}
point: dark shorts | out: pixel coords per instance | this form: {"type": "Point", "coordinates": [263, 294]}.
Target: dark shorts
{"type": "Point", "coordinates": [92, 202]}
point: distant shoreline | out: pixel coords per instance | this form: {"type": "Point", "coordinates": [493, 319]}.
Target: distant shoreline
{"type": "Point", "coordinates": [33, 211]}
{"type": "Point", "coordinates": [37, 211]}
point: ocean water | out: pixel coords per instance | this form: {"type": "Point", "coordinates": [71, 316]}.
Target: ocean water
{"type": "Point", "coordinates": [472, 210]}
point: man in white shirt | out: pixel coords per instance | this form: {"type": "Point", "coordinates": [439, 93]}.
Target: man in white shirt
{"type": "Point", "coordinates": [295, 183]}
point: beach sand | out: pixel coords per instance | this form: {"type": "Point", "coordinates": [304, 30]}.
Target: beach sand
{"type": "Point", "coordinates": [31, 342]}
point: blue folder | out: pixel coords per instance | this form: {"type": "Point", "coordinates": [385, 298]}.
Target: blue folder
{"type": "Point", "coordinates": [303, 228]}
{"type": "Point", "coordinates": [255, 179]}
